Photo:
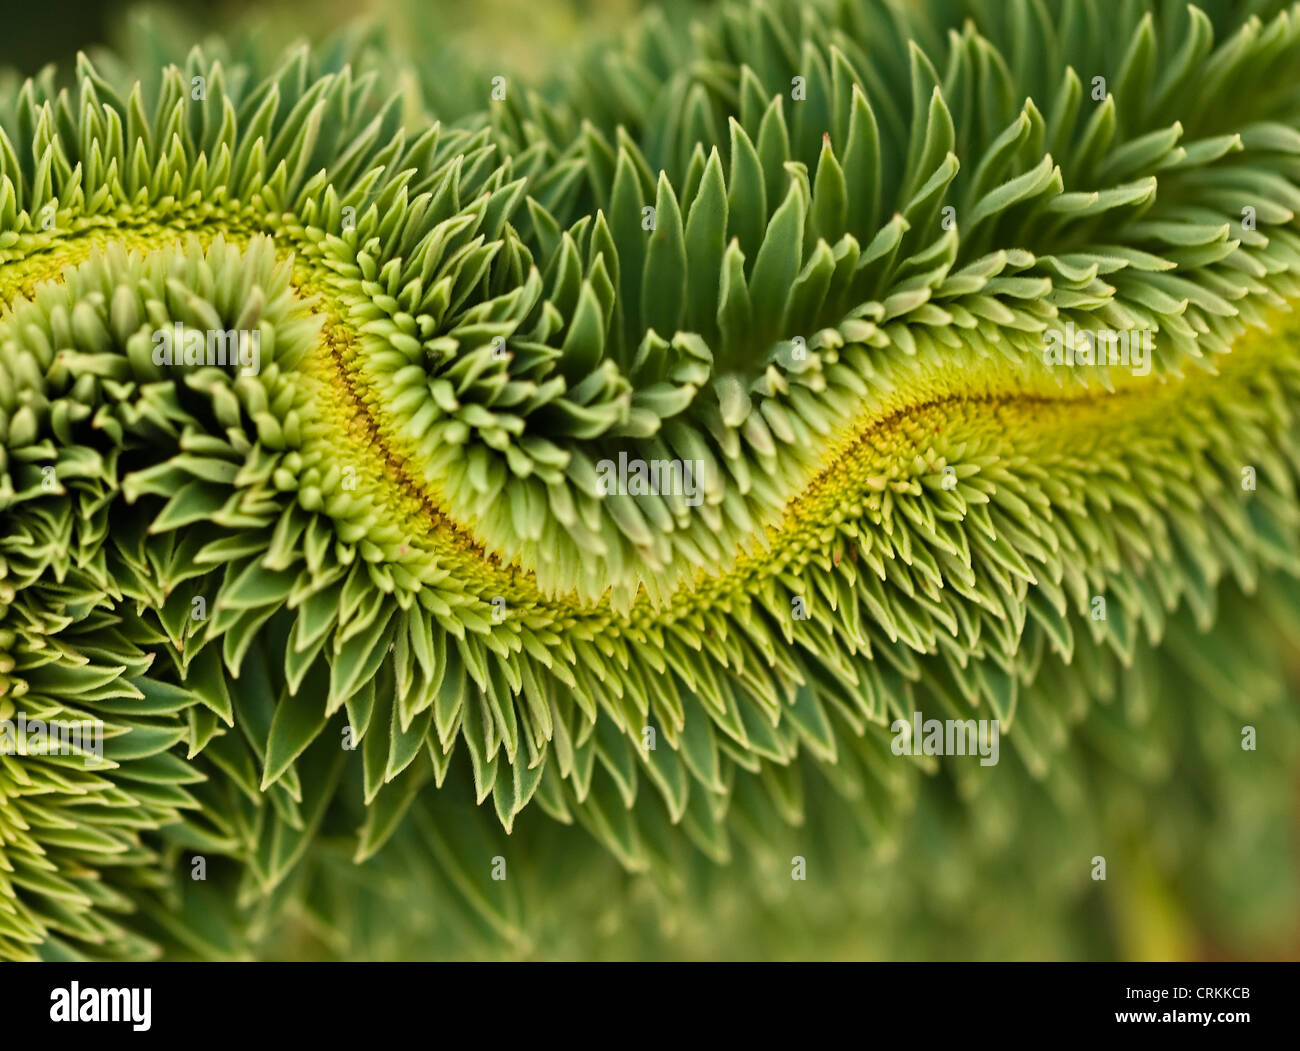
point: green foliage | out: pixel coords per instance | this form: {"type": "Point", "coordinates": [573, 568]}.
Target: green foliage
{"type": "Point", "coordinates": [814, 250]}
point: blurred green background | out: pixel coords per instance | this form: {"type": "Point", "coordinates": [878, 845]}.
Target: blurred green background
{"type": "Point", "coordinates": [526, 32]}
